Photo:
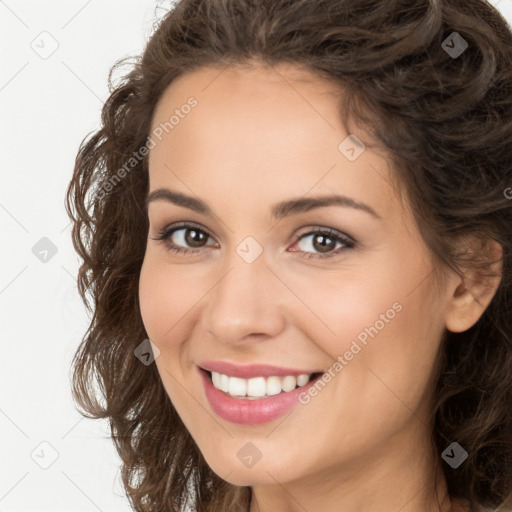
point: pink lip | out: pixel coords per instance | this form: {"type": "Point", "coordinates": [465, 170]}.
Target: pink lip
{"type": "Point", "coordinates": [250, 412]}
{"type": "Point", "coordinates": [251, 370]}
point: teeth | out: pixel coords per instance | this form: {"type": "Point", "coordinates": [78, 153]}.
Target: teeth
{"type": "Point", "coordinates": [302, 379]}
{"type": "Point", "coordinates": [237, 387]}
{"type": "Point", "coordinates": [289, 383]}
{"type": "Point", "coordinates": [224, 383]}
{"type": "Point", "coordinates": [273, 386]}
{"type": "Point", "coordinates": [258, 387]}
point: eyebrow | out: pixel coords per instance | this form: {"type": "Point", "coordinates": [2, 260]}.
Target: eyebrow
{"type": "Point", "coordinates": [279, 211]}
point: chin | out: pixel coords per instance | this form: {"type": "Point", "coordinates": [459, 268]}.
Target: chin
{"type": "Point", "coordinates": [261, 473]}
{"type": "Point", "coordinates": [247, 477]}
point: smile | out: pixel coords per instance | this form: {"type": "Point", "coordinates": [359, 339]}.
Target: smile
{"type": "Point", "coordinates": [257, 387]}
{"type": "Point", "coordinates": [260, 397]}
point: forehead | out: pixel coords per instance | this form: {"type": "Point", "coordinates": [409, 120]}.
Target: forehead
{"type": "Point", "coordinates": [282, 93]}
{"type": "Point", "coordinates": [258, 130]}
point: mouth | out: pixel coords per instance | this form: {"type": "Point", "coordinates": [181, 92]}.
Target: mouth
{"type": "Point", "coordinates": [259, 387]}
{"type": "Point", "coordinates": [258, 399]}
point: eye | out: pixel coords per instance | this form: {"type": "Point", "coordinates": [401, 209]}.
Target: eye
{"type": "Point", "coordinates": [323, 240]}
{"type": "Point", "coordinates": [188, 238]}
{"type": "Point", "coordinates": [178, 236]}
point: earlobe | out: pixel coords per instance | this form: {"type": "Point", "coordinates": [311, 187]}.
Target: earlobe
{"type": "Point", "coordinates": [473, 292]}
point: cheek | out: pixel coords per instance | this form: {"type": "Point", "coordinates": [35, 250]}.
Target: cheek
{"type": "Point", "coordinates": [149, 300]}
{"type": "Point", "coordinates": [372, 321]}
{"type": "Point", "coordinates": [163, 300]}
{"type": "Point", "coordinates": [170, 298]}
{"type": "Point", "coordinates": [164, 305]}
{"type": "Point", "coordinates": [342, 306]}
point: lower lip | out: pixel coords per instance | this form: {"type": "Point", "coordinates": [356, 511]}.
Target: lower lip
{"type": "Point", "coordinates": [250, 412]}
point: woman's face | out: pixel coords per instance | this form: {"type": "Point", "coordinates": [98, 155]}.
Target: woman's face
{"type": "Point", "coordinates": [362, 307]}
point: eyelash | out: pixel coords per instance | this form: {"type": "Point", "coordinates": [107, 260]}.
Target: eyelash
{"type": "Point", "coordinates": [167, 232]}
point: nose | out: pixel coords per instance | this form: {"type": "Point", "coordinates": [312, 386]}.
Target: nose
{"type": "Point", "coordinates": [246, 303]}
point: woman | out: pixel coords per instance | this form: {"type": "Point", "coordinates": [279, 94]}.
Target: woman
{"type": "Point", "coordinates": [296, 226]}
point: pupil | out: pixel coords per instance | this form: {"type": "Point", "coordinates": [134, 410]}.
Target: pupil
{"type": "Point", "coordinates": [323, 246]}
{"type": "Point", "coordinates": [195, 237]}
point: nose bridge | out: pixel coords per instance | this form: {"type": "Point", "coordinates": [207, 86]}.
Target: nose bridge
{"type": "Point", "coordinates": [245, 300]}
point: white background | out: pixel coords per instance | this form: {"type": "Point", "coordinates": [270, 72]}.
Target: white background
{"type": "Point", "coordinates": [47, 106]}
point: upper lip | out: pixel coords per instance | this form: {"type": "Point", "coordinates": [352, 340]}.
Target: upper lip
{"type": "Point", "coordinates": [251, 370]}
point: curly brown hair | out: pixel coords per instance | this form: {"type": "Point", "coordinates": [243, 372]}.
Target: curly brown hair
{"type": "Point", "coordinates": [445, 120]}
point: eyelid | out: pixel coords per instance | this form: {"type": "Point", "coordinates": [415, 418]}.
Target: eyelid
{"type": "Point", "coordinates": [347, 243]}
{"type": "Point", "coordinates": [170, 229]}
{"type": "Point", "coordinates": [310, 230]}
{"type": "Point", "coordinates": [346, 240]}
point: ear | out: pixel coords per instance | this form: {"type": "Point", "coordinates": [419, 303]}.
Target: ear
{"type": "Point", "coordinates": [472, 292]}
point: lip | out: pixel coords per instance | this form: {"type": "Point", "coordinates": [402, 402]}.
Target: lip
{"type": "Point", "coordinates": [250, 412]}
{"type": "Point", "coordinates": [252, 370]}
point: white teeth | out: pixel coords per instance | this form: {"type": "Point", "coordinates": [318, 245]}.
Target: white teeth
{"type": "Point", "coordinates": [302, 379]}
{"type": "Point", "coordinates": [237, 387]}
{"type": "Point", "coordinates": [273, 386]}
{"type": "Point", "coordinates": [216, 379]}
{"type": "Point", "coordinates": [257, 387]}
{"type": "Point", "coordinates": [288, 383]}
{"type": "Point", "coordinates": [224, 383]}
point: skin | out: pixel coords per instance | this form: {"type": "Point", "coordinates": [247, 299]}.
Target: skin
{"type": "Point", "coordinates": [257, 137]}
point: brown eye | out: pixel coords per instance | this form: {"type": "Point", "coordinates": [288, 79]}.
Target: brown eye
{"type": "Point", "coordinates": [184, 238]}
{"type": "Point", "coordinates": [323, 243]}
{"type": "Point", "coordinates": [194, 237]}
